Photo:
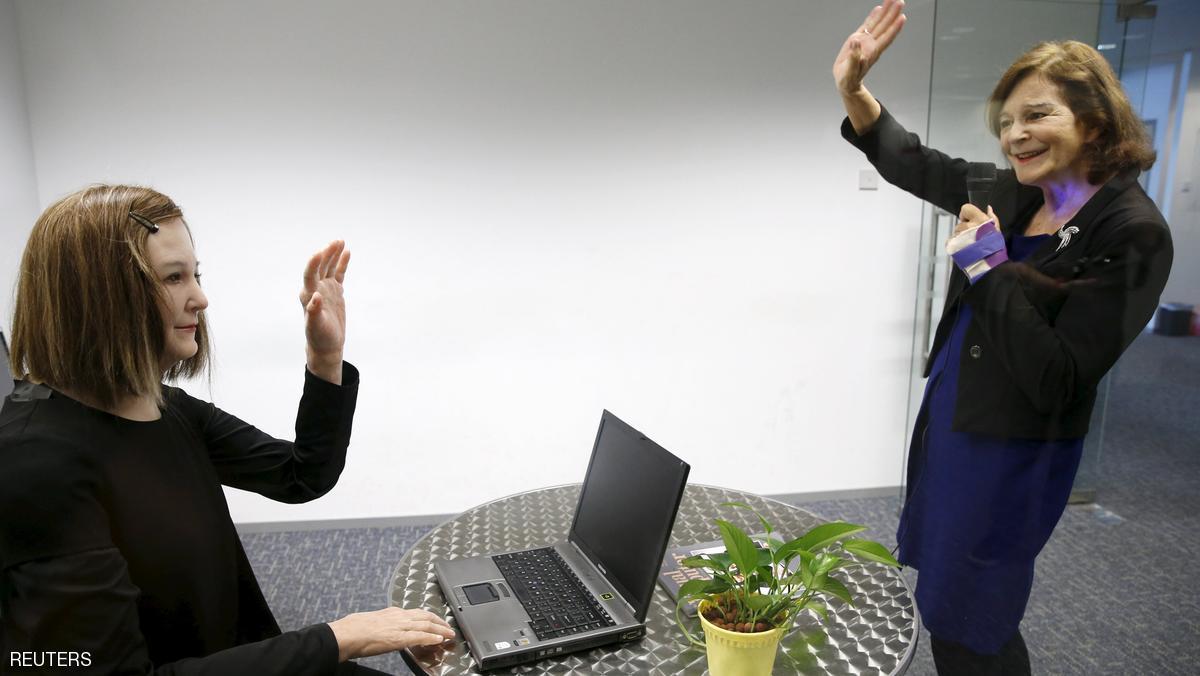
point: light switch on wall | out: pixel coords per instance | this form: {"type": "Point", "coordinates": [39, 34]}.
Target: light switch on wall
{"type": "Point", "coordinates": [868, 179]}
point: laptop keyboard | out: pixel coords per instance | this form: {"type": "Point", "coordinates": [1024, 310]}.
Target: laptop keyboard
{"type": "Point", "coordinates": [557, 602]}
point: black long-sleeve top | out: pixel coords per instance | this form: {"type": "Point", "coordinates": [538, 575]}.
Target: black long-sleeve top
{"type": "Point", "coordinates": [1046, 330]}
{"type": "Point", "coordinates": [116, 540]}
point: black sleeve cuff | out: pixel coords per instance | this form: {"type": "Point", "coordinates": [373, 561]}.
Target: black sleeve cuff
{"type": "Point", "coordinates": [325, 648]}
{"type": "Point", "coordinates": [349, 378]}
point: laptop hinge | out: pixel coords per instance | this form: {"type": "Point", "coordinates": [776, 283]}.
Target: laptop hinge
{"type": "Point", "coordinates": [618, 594]}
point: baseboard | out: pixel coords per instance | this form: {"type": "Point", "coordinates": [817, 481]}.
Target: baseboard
{"type": "Point", "coordinates": [435, 519]}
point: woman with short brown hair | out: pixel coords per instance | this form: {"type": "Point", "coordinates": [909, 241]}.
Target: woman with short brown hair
{"type": "Point", "coordinates": [72, 323]}
{"type": "Point", "coordinates": [115, 540]}
{"type": "Point", "coordinates": [1048, 288]}
{"type": "Point", "coordinates": [1091, 90]}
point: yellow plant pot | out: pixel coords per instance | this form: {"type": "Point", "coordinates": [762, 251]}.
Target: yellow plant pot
{"type": "Point", "coordinates": [733, 653]}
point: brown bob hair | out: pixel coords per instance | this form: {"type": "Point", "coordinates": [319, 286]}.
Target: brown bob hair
{"type": "Point", "coordinates": [1096, 98]}
{"type": "Point", "coordinates": [89, 313]}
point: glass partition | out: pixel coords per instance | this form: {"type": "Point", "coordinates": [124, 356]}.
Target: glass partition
{"type": "Point", "coordinates": [1137, 471]}
{"type": "Point", "coordinates": [973, 44]}
{"type": "Point", "coordinates": [1151, 45]}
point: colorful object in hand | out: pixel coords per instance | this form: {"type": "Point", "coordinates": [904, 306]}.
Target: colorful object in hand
{"type": "Point", "coordinates": [978, 250]}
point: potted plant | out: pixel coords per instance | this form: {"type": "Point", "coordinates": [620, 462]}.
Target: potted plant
{"type": "Point", "coordinates": [757, 590]}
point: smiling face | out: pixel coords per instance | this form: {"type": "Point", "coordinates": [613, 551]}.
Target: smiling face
{"type": "Point", "coordinates": [173, 261]}
{"type": "Point", "coordinates": [1041, 137]}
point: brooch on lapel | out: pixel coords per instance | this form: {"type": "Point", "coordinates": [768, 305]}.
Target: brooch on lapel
{"type": "Point", "coordinates": [1064, 234]}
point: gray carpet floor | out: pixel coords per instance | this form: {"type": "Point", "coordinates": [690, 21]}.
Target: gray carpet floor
{"type": "Point", "coordinates": [1114, 592]}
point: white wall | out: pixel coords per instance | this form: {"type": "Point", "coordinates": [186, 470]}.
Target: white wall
{"type": "Point", "coordinates": [554, 206]}
{"type": "Point", "coordinates": [18, 193]}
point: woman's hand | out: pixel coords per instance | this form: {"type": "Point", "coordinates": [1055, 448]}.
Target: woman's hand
{"type": "Point", "coordinates": [860, 51]}
{"type": "Point", "coordinates": [977, 245]}
{"type": "Point", "coordinates": [387, 630]}
{"type": "Point", "coordinates": [866, 44]}
{"type": "Point", "coordinates": [325, 311]}
{"type": "Point", "coordinates": [969, 216]}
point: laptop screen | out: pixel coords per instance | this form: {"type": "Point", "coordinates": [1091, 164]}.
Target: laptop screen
{"type": "Point", "coordinates": [627, 508]}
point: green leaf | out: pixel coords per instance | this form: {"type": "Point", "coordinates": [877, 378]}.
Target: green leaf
{"type": "Point", "coordinates": [739, 546]}
{"type": "Point", "coordinates": [724, 577]}
{"type": "Point", "coordinates": [762, 582]}
{"type": "Point", "coordinates": [754, 581]}
{"type": "Point", "coordinates": [828, 533]}
{"type": "Point", "coordinates": [717, 586]}
{"type": "Point", "coordinates": [764, 558]}
{"type": "Point", "coordinates": [758, 602]}
{"type": "Point", "coordinates": [817, 607]}
{"type": "Point", "coordinates": [697, 562]}
{"type": "Point", "coordinates": [701, 588]}
{"type": "Point", "coordinates": [721, 559]}
{"type": "Point", "coordinates": [693, 588]}
{"type": "Point", "coordinates": [871, 551]}
{"type": "Point", "coordinates": [818, 582]}
{"type": "Point", "coordinates": [805, 555]}
{"type": "Point", "coordinates": [741, 505]}
{"type": "Point", "coordinates": [824, 563]}
{"type": "Point", "coordinates": [790, 548]}
{"type": "Point", "coordinates": [793, 549]}
{"type": "Point", "coordinates": [779, 605]}
{"type": "Point", "coordinates": [834, 586]}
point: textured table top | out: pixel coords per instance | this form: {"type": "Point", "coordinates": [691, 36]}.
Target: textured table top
{"type": "Point", "coordinates": [876, 636]}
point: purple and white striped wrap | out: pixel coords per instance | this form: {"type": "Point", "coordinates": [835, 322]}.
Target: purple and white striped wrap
{"type": "Point", "coordinates": [978, 250]}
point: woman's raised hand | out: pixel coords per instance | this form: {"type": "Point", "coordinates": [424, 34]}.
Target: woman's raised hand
{"type": "Point", "coordinates": [866, 44]}
{"type": "Point", "coordinates": [325, 310]}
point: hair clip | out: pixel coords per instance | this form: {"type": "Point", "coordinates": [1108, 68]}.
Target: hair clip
{"type": "Point", "coordinates": [144, 222]}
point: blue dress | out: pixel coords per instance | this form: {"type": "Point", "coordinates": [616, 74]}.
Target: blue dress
{"type": "Point", "coordinates": [979, 508]}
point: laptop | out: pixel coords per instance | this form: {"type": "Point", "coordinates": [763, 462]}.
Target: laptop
{"type": "Point", "coordinates": [590, 590]}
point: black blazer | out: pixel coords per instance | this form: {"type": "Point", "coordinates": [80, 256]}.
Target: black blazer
{"type": "Point", "coordinates": [1045, 331]}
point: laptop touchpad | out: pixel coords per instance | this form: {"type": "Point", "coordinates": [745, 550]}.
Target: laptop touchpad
{"type": "Point", "coordinates": [480, 593]}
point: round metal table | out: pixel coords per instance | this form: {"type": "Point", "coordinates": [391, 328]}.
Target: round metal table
{"type": "Point", "coordinates": [876, 636]}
